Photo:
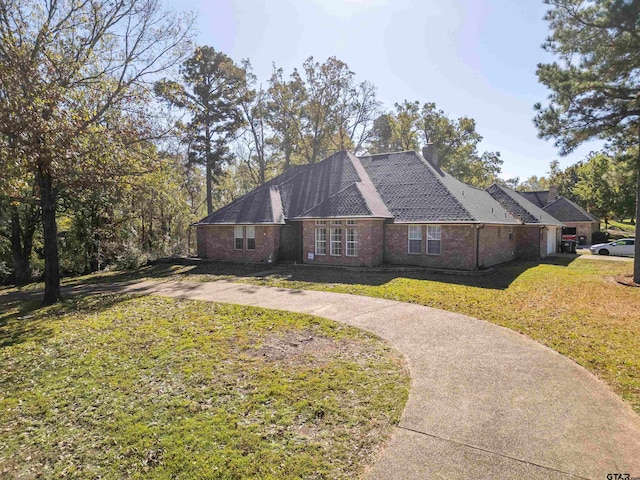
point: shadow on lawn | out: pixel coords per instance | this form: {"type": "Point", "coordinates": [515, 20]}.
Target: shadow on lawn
{"type": "Point", "coordinates": [23, 318]}
{"type": "Point", "coordinates": [499, 278]}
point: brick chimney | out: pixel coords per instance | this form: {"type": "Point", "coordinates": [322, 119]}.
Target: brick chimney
{"type": "Point", "coordinates": [430, 153]}
{"type": "Point", "coordinates": [553, 194]}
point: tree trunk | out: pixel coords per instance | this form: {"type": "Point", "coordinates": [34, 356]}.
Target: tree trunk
{"type": "Point", "coordinates": [636, 260]}
{"type": "Point", "coordinates": [209, 168]}
{"type": "Point", "coordinates": [21, 262]}
{"type": "Point", "coordinates": [50, 234]}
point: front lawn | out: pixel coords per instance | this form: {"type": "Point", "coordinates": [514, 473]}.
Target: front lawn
{"type": "Point", "coordinates": [114, 387]}
{"type": "Point", "coordinates": [574, 307]}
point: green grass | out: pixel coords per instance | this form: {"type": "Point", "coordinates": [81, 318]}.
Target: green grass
{"type": "Point", "coordinates": [623, 226]}
{"type": "Point", "coordinates": [574, 307]}
{"type": "Point", "coordinates": [107, 386]}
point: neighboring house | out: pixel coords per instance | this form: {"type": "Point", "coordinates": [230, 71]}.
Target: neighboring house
{"type": "Point", "coordinates": [395, 208]}
{"type": "Point", "coordinates": [568, 212]}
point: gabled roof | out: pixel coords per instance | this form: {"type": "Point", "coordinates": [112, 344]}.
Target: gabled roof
{"type": "Point", "coordinates": [561, 208]}
{"type": "Point", "coordinates": [262, 205]}
{"type": "Point", "coordinates": [401, 185]}
{"type": "Point", "coordinates": [567, 211]}
{"type": "Point", "coordinates": [520, 207]}
{"type": "Point", "coordinates": [539, 199]}
{"type": "Point", "coordinates": [416, 191]}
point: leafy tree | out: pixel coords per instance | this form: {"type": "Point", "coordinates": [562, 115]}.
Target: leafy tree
{"type": "Point", "coordinates": [594, 81]}
{"type": "Point", "coordinates": [534, 184]}
{"type": "Point", "coordinates": [404, 125]}
{"type": "Point", "coordinates": [65, 67]}
{"type": "Point", "coordinates": [381, 138]}
{"type": "Point", "coordinates": [456, 141]}
{"type": "Point", "coordinates": [209, 92]}
{"type": "Point", "coordinates": [255, 143]}
{"type": "Point", "coordinates": [592, 189]}
{"type": "Point", "coordinates": [285, 101]}
{"type": "Point", "coordinates": [622, 179]}
{"type": "Point", "coordinates": [320, 110]}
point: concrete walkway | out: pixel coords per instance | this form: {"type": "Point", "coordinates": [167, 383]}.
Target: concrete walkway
{"type": "Point", "coordinates": [485, 402]}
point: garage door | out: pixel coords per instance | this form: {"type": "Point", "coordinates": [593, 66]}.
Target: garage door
{"type": "Point", "coordinates": [552, 238]}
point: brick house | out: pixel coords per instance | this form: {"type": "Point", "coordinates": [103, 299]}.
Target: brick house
{"type": "Point", "coordinates": [396, 208]}
{"type": "Point", "coordinates": [569, 213]}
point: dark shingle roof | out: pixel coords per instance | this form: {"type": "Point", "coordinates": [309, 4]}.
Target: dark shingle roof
{"type": "Point", "coordinates": [416, 191]}
{"type": "Point", "coordinates": [253, 208]}
{"type": "Point", "coordinates": [348, 202]}
{"type": "Point", "coordinates": [402, 186]}
{"type": "Point", "coordinates": [561, 208]}
{"type": "Point", "coordinates": [567, 211]}
{"type": "Point", "coordinates": [520, 207]}
{"type": "Point", "coordinates": [539, 199]}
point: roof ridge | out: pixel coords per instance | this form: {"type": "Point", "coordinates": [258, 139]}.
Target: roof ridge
{"type": "Point", "coordinates": [445, 175]}
{"type": "Point", "coordinates": [383, 153]}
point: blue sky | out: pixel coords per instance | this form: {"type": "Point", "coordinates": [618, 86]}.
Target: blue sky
{"type": "Point", "coordinates": [473, 58]}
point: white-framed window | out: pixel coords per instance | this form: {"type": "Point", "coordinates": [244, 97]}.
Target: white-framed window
{"type": "Point", "coordinates": [415, 239]}
{"type": "Point", "coordinates": [250, 233]}
{"type": "Point", "coordinates": [352, 222]}
{"type": "Point", "coordinates": [336, 241]}
{"type": "Point", "coordinates": [336, 222]}
{"type": "Point", "coordinates": [321, 222]}
{"type": "Point", "coordinates": [352, 242]}
{"type": "Point", "coordinates": [433, 239]}
{"type": "Point", "coordinates": [321, 241]}
{"type": "Point", "coordinates": [238, 237]}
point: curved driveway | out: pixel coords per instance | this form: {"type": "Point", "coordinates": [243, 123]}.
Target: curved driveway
{"type": "Point", "coordinates": [485, 402]}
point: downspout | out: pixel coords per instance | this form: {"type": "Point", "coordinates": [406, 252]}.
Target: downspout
{"type": "Point", "coordinates": [478, 228]}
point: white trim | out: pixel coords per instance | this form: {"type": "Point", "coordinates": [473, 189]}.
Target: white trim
{"type": "Point", "coordinates": [351, 243]}
{"type": "Point", "coordinates": [337, 243]}
{"type": "Point", "coordinates": [416, 228]}
{"type": "Point", "coordinates": [323, 241]}
{"type": "Point", "coordinates": [437, 237]}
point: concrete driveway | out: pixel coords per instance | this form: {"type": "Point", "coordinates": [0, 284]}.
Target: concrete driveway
{"type": "Point", "coordinates": [485, 402]}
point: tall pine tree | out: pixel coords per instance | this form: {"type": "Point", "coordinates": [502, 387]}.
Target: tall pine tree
{"type": "Point", "coordinates": [594, 82]}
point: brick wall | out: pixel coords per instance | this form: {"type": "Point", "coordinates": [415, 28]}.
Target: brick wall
{"type": "Point", "coordinates": [216, 242]}
{"type": "Point", "coordinates": [457, 248]}
{"type": "Point", "coordinates": [369, 237]}
{"type": "Point", "coordinates": [531, 244]}
{"type": "Point", "coordinates": [497, 245]}
{"type": "Point", "coordinates": [585, 229]}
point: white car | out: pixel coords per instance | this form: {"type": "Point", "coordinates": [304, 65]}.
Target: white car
{"type": "Point", "coordinates": [623, 247]}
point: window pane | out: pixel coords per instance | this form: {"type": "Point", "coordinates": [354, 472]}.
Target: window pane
{"type": "Point", "coordinates": [433, 247]}
{"type": "Point", "coordinates": [238, 236]}
{"type": "Point", "coordinates": [433, 233]}
{"type": "Point", "coordinates": [336, 241]}
{"type": "Point", "coordinates": [352, 242]}
{"type": "Point", "coordinates": [433, 240]}
{"type": "Point", "coordinates": [251, 231]}
{"type": "Point", "coordinates": [415, 233]}
{"type": "Point", "coordinates": [415, 239]}
{"type": "Point", "coordinates": [321, 241]}
{"type": "Point", "coordinates": [415, 246]}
